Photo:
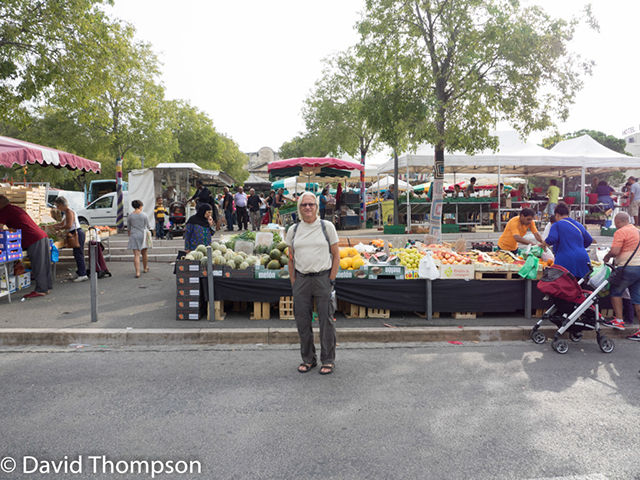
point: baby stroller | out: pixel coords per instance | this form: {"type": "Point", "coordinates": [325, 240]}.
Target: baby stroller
{"type": "Point", "coordinates": [177, 219]}
{"type": "Point", "coordinates": [574, 310]}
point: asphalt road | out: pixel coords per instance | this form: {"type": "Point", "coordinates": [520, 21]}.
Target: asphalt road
{"type": "Point", "coordinates": [436, 411]}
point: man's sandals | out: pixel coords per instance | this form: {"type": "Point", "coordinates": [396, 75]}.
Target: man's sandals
{"type": "Point", "coordinates": [327, 368]}
{"type": "Point", "coordinates": [306, 367]}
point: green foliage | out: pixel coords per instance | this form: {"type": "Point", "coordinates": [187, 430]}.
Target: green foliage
{"type": "Point", "coordinates": [474, 63]}
{"type": "Point", "coordinates": [305, 145]}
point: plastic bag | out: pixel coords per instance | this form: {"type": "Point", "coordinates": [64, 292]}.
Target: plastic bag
{"type": "Point", "coordinates": [547, 255]}
{"type": "Point", "coordinates": [427, 268]}
{"type": "Point", "coordinates": [533, 250]}
{"type": "Point", "coordinates": [599, 275]}
{"type": "Point", "coordinates": [530, 268]}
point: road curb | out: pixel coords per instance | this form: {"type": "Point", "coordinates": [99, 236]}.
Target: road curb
{"type": "Point", "coordinates": [268, 336]}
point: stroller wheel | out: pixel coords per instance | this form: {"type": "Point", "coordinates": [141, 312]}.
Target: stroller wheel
{"type": "Point", "coordinates": [575, 337]}
{"type": "Point", "coordinates": [606, 344]}
{"type": "Point", "coordinates": [560, 346]}
{"type": "Point", "coordinates": [538, 337]}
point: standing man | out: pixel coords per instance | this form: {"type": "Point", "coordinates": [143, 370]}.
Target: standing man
{"type": "Point", "coordinates": [471, 188]}
{"type": "Point", "coordinates": [516, 229]}
{"type": "Point", "coordinates": [227, 205]}
{"type": "Point", "coordinates": [554, 194]}
{"type": "Point", "coordinates": [241, 208]}
{"type": "Point", "coordinates": [202, 194]}
{"type": "Point", "coordinates": [388, 195]}
{"type": "Point", "coordinates": [625, 241]}
{"type": "Point", "coordinates": [314, 258]}
{"type": "Point", "coordinates": [34, 241]}
{"type": "Point", "coordinates": [634, 200]}
{"type": "Point", "coordinates": [254, 203]}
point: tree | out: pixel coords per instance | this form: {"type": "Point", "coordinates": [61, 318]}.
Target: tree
{"type": "Point", "coordinates": [305, 145]}
{"type": "Point", "coordinates": [337, 108]}
{"type": "Point", "coordinates": [117, 98]}
{"type": "Point", "coordinates": [35, 37]}
{"type": "Point", "coordinates": [479, 62]}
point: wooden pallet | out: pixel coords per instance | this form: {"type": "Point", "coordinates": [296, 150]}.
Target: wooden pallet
{"type": "Point", "coordinates": [424, 315]}
{"type": "Point", "coordinates": [218, 311]}
{"type": "Point", "coordinates": [607, 313]}
{"type": "Point", "coordinates": [286, 308]}
{"type": "Point", "coordinates": [378, 313]}
{"type": "Point", "coordinates": [482, 228]}
{"type": "Point", "coordinates": [355, 311]}
{"type": "Point", "coordinates": [538, 313]}
{"type": "Point", "coordinates": [463, 315]}
{"type": "Point", "coordinates": [497, 275]}
{"type": "Point", "coordinates": [261, 311]}
{"type": "Point", "coordinates": [239, 306]}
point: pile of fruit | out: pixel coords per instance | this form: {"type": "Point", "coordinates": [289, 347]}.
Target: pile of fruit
{"type": "Point", "coordinates": [350, 259]}
{"type": "Point", "coordinates": [409, 257]}
{"type": "Point", "coordinates": [378, 243]}
{"type": "Point", "coordinates": [451, 258]}
{"type": "Point", "coordinates": [273, 257]}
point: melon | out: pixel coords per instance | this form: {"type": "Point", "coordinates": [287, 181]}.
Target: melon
{"type": "Point", "coordinates": [202, 249]}
{"type": "Point", "coordinates": [284, 260]}
{"type": "Point", "coordinates": [219, 260]}
{"type": "Point", "coordinates": [231, 264]}
{"type": "Point", "coordinates": [273, 265]}
{"type": "Point", "coordinates": [238, 259]}
{"type": "Point", "coordinates": [196, 255]}
{"type": "Point", "coordinates": [264, 260]}
{"type": "Point", "coordinates": [281, 246]}
{"type": "Point", "coordinates": [243, 266]}
{"type": "Point", "coordinates": [275, 254]}
{"type": "Point", "coordinates": [215, 246]}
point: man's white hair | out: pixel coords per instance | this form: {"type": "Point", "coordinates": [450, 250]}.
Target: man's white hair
{"type": "Point", "coordinates": [315, 200]}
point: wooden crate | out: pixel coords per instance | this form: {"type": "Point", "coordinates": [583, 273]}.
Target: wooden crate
{"type": "Point", "coordinates": [286, 308]}
{"type": "Point", "coordinates": [261, 311]}
{"type": "Point", "coordinates": [538, 313]}
{"type": "Point", "coordinates": [218, 311]}
{"type": "Point", "coordinates": [482, 228]}
{"type": "Point", "coordinates": [378, 313]}
{"type": "Point", "coordinates": [607, 313]}
{"type": "Point", "coordinates": [239, 306]}
{"type": "Point", "coordinates": [463, 315]}
{"type": "Point", "coordinates": [424, 315]}
{"type": "Point", "coordinates": [355, 311]}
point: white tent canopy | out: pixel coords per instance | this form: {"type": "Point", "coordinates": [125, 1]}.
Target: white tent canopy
{"type": "Point", "coordinates": [384, 183]}
{"type": "Point", "coordinates": [597, 158]}
{"type": "Point", "coordinates": [513, 157]}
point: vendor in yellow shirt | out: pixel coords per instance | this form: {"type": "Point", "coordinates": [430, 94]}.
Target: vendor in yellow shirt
{"type": "Point", "coordinates": [516, 229]}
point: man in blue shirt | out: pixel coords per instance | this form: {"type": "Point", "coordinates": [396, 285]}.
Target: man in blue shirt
{"type": "Point", "coordinates": [389, 193]}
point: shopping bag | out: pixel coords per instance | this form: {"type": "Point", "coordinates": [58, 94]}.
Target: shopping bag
{"type": "Point", "coordinates": [534, 250]}
{"type": "Point", "coordinates": [615, 277]}
{"type": "Point", "coordinates": [427, 268]}
{"type": "Point", "coordinates": [599, 275]}
{"type": "Point", "coordinates": [148, 239]}
{"type": "Point", "coordinates": [71, 240]}
{"type": "Point", "coordinates": [530, 268]}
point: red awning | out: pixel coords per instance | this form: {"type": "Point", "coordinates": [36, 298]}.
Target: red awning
{"type": "Point", "coordinates": [315, 163]}
{"type": "Point", "coordinates": [19, 152]}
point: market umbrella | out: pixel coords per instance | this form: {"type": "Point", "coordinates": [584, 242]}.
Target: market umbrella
{"type": "Point", "coordinates": [423, 187]}
{"type": "Point", "coordinates": [18, 152]}
{"type": "Point", "coordinates": [384, 183]}
{"type": "Point", "coordinates": [312, 167]}
{"type": "Point", "coordinates": [292, 182]}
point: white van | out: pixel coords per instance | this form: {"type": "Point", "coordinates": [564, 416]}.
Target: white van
{"type": "Point", "coordinates": [104, 211]}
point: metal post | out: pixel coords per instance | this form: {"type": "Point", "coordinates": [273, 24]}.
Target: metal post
{"type": "Point", "coordinates": [527, 299]}
{"type": "Point", "coordinates": [212, 302]}
{"type": "Point", "coordinates": [499, 198]}
{"type": "Point", "coordinates": [93, 263]}
{"type": "Point", "coordinates": [429, 301]}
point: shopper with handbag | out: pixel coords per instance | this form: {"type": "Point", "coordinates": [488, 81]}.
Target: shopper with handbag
{"type": "Point", "coordinates": [75, 236]}
{"type": "Point", "coordinates": [624, 251]}
{"type": "Point", "coordinates": [138, 228]}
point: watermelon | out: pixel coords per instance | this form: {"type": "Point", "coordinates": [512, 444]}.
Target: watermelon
{"type": "Point", "coordinates": [281, 246]}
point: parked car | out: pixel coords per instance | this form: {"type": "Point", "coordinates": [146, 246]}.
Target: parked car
{"type": "Point", "coordinates": [104, 211]}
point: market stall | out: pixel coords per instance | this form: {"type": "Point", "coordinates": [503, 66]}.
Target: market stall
{"type": "Point", "coordinates": [370, 281]}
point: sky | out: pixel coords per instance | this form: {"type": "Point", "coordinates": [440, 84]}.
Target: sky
{"type": "Point", "coordinates": [249, 65]}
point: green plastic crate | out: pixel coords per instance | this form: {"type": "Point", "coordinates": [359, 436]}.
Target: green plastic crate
{"type": "Point", "coordinates": [607, 232]}
{"type": "Point", "coordinates": [450, 228]}
{"type": "Point", "coordinates": [395, 229]}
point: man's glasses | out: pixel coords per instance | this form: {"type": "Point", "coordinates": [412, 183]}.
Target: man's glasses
{"type": "Point", "coordinates": [308, 205]}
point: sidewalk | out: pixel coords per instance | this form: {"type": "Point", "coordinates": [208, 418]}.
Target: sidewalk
{"type": "Point", "coordinates": [142, 311]}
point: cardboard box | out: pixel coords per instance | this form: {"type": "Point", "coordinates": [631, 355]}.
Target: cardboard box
{"type": "Point", "coordinates": [360, 273]}
{"type": "Point", "coordinates": [24, 280]}
{"type": "Point", "coordinates": [376, 271]}
{"type": "Point", "coordinates": [235, 273]}
{"type": "Point", "coordinates": [411, 274]}
{"type": "Point", "coordinates": [263, 273]}
{"type": "Point", "coordinates": [188, 303]}
{"type": "Point", "coordinates": [188, 268]}
{"type": "Point", "coordinates": [188, 281]}
{"type": "Point", "coordinates": [456, 272]}
{"type": "Point", "coordinates": [217, 270]}
{"type": "Point", "coordinates": [188, 314]}
{"type": "Point", "coordinates": [505, 202]}
{"type": "Point", "coordinates": [189, 292]}
{"type": "Point", "coordinates": [13, 284]}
